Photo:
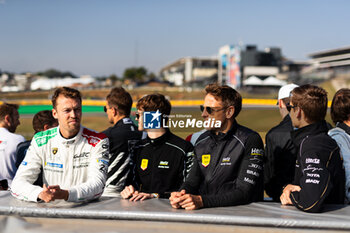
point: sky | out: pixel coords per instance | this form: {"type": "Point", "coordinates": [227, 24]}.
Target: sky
{"type": "Point", "coordinates": [103, 37]}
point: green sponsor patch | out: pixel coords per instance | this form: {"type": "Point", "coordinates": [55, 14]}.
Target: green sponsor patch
{"type": "Point", "coordinates": [43, 137]}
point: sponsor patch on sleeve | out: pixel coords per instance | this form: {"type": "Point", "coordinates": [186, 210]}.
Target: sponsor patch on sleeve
{"type": "Point", "coordinates": [257, 152]}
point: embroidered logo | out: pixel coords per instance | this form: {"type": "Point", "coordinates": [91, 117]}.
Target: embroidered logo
{"type": "Point", "coordinates": [144, 164]}
{"type": "Point", "coordinates": [205, 160]}
{"type": "Point", "coordinates": [226, 161]}
{"type": "Point", "coordinates": [163, 164]}
{"type": "Point", "coordinates": [54, 150]}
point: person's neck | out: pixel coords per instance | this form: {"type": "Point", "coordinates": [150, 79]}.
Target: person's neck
{"type": "Point", "coordinates": [118, 118]}
{"type": "Point", "coordinates": [155, 133]}
{"type": "Point", "coordinates": [347, 122]}
{"type": "Point", "coordinates": [283, 112]}
{"type": "Point", "coordinates": [69, 135]}
{"type": "Point", "coordinates": [3, 126]}
{"type": "Point", "coordinates": [304, 123]}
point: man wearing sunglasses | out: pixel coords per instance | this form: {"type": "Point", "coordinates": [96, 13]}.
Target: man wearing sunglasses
{"type": "Point", "coordinates": [280, 151]}
{"type": "Point", "coordinates": [122, 136]}
{"type": "Point", "coordinates": [319, 175]}
{"type": "Point", "coordinates": [228, 166]}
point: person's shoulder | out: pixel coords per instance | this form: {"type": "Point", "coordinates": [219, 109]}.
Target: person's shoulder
{"type": "Point", "coordinates": [42, 138]}
{"type": "Point", "coordinates": [283, 127]}
{"type": "Point", "coordinates": [203, 138]}
{"type": "Point", "coordinates": [245, 134]}
{"type": "Point", "coordinates": [243, 130]}
{"type": "Point", "coordinates": [123, 131]}
{"type": "Point", "coordinates": [12, 137]}
{"type": "Point", "coordinates": [108, 131]}
{"type": "Point", "coordinates": [89, 133]}
{"type": "Point", "coordinates": [23, 144]}
{"type": "Point", "coordinates": [179, 143]}
{"type": "Point", "coordinates": [336, 131]}
{"type": "Point", "coordinates": [319, 142]}
{"type": "Point", "coordinates": [18, 137]}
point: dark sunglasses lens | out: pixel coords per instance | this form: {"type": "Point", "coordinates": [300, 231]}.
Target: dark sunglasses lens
{"type": "Point", "coordinates": [209, 110]}
{"type": "Point", "coordinates": [288, 107]}
{"type": "Point", "coordinates": [137, 115]}
{"type": "Point", "coordinates": [105, 108]}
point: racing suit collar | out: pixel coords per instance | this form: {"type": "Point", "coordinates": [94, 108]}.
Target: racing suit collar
{"type": "Point", "coordinates": [123, 121]}
{"type": "Point", "coordinates": [286, 119]}
{"type": "Point", "coordinates": [344, 126]}
{"type": "Point", "coordinates": [222, 136]}
{"type": "Point", "coordinates": [160, 140]}
{"type": "Point", "coordinates": [312, 129]}
{"type": "Point", "coordinates": [70, 140]}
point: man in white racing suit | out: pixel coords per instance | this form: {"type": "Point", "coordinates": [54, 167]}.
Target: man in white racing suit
{"type": "Point", "coordinates": [74, 159]}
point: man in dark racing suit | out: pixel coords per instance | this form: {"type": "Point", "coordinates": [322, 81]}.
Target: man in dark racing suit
{"type": "Point", "coordinates": [122, 136]}
{"type": "Point", "coordinates": [162, 160]}
{"type": "Point", "coordinates": [280, 151]}
{"type": "Point", "coordinates": [228, 166]}
{"type": "Point", "coordinates": [319, 174]}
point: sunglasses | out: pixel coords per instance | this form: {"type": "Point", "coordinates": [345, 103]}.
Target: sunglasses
{"type": "Point", "coordinates": [289, 107]}
{"type": "Point", "coordinates": [104, 108]}
{"type": "Point", "coordinates": [210, 110]}
{"type": "Point", "coordinates": [137, 115]}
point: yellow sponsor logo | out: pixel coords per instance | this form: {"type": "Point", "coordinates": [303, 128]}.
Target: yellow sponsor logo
{"type": "Point", "coordinates": [144, 164]}
{"type": "Point", "coordinates": [205, 160]}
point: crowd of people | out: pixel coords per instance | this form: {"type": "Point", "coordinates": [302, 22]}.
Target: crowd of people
{"type": "Point", "coordinates": [305, 162]}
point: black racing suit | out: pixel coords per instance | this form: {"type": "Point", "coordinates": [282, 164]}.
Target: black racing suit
{"type": "Point", "coordinates": [228, 168]}
{"type": "Point", "coordinates": [319, 170]}
{"type": "Point", "coordinates": [122, 136]}
{"type": "Point", "coordinates": [161, 164]}
{"type": "Point", "coordinates": [280, 160]}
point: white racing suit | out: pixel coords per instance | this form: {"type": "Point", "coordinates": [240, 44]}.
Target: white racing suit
{"type": "Point", "coordinates": [78, 165]}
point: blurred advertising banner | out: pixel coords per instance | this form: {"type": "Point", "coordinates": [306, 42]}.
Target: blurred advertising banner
{"type": "Point", "coordinates": [229, 65]}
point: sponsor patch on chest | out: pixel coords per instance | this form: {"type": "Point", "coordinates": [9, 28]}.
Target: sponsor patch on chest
{"type": "Point", "coordinates": [163, 164]}
{"type": "Point", "coordinates": [205, 160]}
{"type": "Point", "coordinates": [56, 165]}
{"type": "Point", "coordinates": [54, 150]}
{"type": "Point", "coordinates": [144, 164]}
{"type": "Point", "coordinates": [82, 155]}
{"type": "Point", "coordinates": [226, 161]}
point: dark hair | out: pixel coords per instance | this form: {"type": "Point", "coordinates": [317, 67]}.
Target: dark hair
{"type": "Point", "coordinates": [312, 100]}
{"type": "Point", "coordinates": [155, 102]}
{"type": "Point", "coordinates": [66, 92]}
{"type": "Point", "coordinates": [7, 109]}
{"type": "Point", "coordinates": [43, 118]}
{"type": "Point", "coordinates": [226, 94]}
{"type": "Point", "coordinates": [120, 99]}
{"type": "Point", "coordinates": [340, 108]}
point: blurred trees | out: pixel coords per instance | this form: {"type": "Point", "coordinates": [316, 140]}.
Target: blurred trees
{"type": "Point", "coordinates": [137, 74]}
{"type": "Point", "coordinates": [53, 73]}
